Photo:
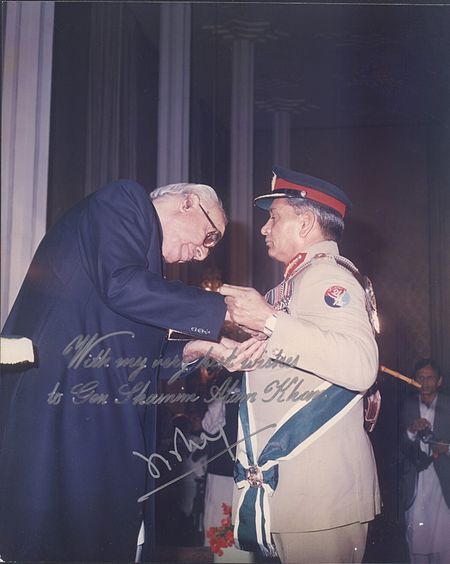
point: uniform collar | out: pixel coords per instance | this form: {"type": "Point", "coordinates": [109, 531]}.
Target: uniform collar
{"type": "Point", "coordinates": [323, 247]}
{"type": "Point", "coordinates": [326, 247]}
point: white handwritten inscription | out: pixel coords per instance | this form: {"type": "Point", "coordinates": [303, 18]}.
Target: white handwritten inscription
{"type": "Point", "coordinates": [191, 447]}
{"type": "Point", "coordinates": [81, 349]}
{"type": "Point", "coordinates": [80, 352]}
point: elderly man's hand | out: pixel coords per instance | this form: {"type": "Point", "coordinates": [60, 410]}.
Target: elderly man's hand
{"type": "Point", "coordinates": [246, 306]}
{"type": "Point", "coordinates": [230, 354]}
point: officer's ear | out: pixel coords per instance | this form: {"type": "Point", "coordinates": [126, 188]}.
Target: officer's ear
{"type": "Point", "coordinates": [307, 220]}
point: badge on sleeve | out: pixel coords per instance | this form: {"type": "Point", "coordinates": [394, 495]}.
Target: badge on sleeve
{"type": "Point", "coordinates": [337, 296]}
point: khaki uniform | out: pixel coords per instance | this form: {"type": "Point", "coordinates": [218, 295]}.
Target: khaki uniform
{"type": "Point", "coordinates": [326, 333]}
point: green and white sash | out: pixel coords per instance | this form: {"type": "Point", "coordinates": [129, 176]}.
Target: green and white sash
{"type": "Point", "coordinates": [302, 425]}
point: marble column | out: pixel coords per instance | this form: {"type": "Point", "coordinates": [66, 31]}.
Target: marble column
{"type": "Point", "coordinates": [174, 103]}
{"type": "Point", "coordinates": [26, 91]}
{"type": "Point", "coordinates": [241, 174]}
{"type": "Point", "coordinates": [174, 93]}
{"type": "Point", "coordinates": [242, 36]}
{"type": "Point", "coordinates": [281, 108]}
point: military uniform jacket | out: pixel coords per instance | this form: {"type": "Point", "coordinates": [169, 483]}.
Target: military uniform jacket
{"type": "Point", "coordinates": [69, 482]}
{"type": "Point", "coordinates": [333, 482]}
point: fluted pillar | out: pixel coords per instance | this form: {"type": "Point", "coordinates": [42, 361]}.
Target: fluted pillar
{"type": "Point", "coordinates": [242, 35]}
{"type": "Point", "coordinates": [174, 93]}
{"type": "Point", "coordinates": [27, 71]}
{"type": "Point", "coordinates": [241, 173]}
{"type": "Point", "coordinates": [174, 103]}
{"type": "Point", "coordinates": [281, 108]}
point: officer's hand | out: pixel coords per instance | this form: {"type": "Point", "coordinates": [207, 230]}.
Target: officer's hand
{"type": "Point", "coordinates": [246, 306]}
{"type": "Point", "coordinates": [439, 448]}
{"type": "Point", "coordinates": [419, 425]}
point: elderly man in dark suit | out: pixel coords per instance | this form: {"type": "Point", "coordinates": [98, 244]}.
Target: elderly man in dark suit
{"type": "Point", "coordinates": [97, 307]}
{"type": "Point", "coordinates": [426, 480]}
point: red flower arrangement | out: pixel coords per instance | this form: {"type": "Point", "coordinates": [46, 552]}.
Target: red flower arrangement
{"type": "Point", "coordinates": [222, 537]}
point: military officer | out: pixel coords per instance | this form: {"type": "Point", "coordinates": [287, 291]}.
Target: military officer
{"type": "Point", "coordinates": [306, 476]}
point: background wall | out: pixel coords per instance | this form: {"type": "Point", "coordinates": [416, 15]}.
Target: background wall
{"type": "Point", "coordinates": [367, 89]}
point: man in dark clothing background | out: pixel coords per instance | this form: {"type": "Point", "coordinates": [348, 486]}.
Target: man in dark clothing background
{"type": "Point", "coordinates": [426, 467]}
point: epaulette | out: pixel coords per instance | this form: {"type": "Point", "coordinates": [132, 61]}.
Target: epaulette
{"type": "Point", "coordinates": [364, 281]}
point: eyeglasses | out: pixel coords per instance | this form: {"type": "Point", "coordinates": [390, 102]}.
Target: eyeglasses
{"type": "Point", "coordinates": [212, 237]}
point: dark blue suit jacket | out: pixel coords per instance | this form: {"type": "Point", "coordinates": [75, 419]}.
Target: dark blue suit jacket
{"type": "Point", "coordinates": [69, 481]}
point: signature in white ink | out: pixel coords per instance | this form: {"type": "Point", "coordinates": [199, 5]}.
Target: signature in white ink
{"type": "Point", "coordinates": [191, 446]}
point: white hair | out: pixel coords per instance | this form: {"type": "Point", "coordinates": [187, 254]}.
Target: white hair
{"type": "Point", "coordinates": [206, 194]}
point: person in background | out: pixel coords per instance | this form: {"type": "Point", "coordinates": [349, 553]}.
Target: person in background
{"type": "Point", "coordinates": [426, 468]}
{"type": "Point", "coordinates": [221, 414]}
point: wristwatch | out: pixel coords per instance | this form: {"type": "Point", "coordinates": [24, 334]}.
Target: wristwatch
{"type": "Point", "coordinates": [269, 325]}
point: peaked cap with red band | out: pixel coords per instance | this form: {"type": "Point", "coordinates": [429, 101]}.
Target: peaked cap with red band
{"type": "Point", "coordinates": [290, 184]}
